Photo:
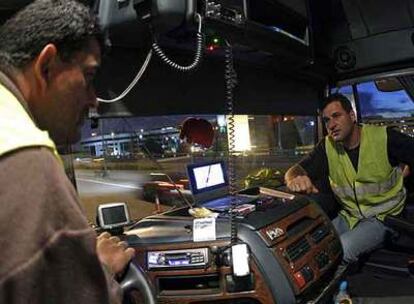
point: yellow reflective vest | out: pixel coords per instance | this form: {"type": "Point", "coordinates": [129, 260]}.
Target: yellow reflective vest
{"type": "Point", "coordinates": [17, 129]}
{"type": "Point", "coordinates": [376, 188]}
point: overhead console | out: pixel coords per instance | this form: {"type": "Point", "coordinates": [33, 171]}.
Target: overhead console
{"type": "Point", "coordinates": [266, 36]}
{"type": "Point", "coordinates": [261, 25]}
{"type": "Point", "coordinates": [266, 25]}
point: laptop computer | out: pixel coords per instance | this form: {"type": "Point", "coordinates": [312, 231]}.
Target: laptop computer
{"type": "Point", "coordinates": [209, 185]}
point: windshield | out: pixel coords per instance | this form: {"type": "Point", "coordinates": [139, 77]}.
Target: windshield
{"type": "Point", "coordinates": [133, 160]}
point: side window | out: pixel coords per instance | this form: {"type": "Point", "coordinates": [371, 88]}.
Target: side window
{"type": "Point", "coordinates": [391, 108]}
{"type": "Point", "coordinates": [386, 106]}
{"type": "Point", "coordinates": [348, 92]}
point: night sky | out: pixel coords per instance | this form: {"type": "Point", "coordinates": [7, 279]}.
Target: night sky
{"type": "Point", "coordinates": [385, 104]}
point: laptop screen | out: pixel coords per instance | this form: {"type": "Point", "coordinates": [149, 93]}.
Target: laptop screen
{"type": "Point", "coordinates": [207, 177]}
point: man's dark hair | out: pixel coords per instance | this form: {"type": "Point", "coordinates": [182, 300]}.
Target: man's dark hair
{"type": "Point", "coordinates": [345, 103]}
{"type": "Point", "coordinates": [68, 24]}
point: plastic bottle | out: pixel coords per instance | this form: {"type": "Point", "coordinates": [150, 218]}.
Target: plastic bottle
{"type": "Point", "coordinates": [342, 297]}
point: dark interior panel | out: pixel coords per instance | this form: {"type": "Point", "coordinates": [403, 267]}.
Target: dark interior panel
{"type": "Point", "coordinates": [380, 36]}
{"type": "Point", "coordinates": [369, 17]}
{"type": "Point", "coordinates": [163, 90]}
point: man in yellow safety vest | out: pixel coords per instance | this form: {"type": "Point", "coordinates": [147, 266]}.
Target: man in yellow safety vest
{"type": "Point", "coordinates": [360, 165]}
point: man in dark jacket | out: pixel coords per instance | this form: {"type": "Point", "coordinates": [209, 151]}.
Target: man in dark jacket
{"type": "Point", "coordinates": [49, 54]}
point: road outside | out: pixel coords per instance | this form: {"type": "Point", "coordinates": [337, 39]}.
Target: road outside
{"type": "Point", "coordinates": [96, 186]}
{"type": "Point", "coordinates": [116, 186]}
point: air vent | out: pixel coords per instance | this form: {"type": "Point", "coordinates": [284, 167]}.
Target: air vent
{"type": "Point", "coordinates": [297, 250]}
{"type": "Point", "coordinates": [319, 233]}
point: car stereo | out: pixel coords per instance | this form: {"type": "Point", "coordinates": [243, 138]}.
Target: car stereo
{"type": "Point", "coordinates": [178, 258]}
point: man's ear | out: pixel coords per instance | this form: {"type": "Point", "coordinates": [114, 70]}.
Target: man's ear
{"type": "Point", "coordinates": [353, 116]}
{"type": "Point", "coordinates": [43, 65]}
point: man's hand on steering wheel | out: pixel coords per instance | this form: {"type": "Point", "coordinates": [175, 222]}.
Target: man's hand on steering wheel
{"type": "Point", "coordinates": [113, 253]}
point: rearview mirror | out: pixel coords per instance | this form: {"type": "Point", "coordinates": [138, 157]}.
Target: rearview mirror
{"type": "Point", "coordinates": [388, 84]}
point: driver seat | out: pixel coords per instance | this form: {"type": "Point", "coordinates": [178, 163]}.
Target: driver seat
{"type": "Point", "coordinates": [403, 224]}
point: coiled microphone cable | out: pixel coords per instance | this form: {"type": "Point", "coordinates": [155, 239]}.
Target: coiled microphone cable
{"type": "Point", "coordinates": [198, 55]}
{"type": "Point", "coordinates": [231, 82]}
{"type": "Point", "coordinates": [157, 49]}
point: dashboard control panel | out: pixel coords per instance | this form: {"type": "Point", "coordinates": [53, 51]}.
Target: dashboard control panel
{"type": "Point", "coordinates": [306, 245]}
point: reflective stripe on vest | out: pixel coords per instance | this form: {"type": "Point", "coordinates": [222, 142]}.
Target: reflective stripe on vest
{"type": "Point", "coordinates": [17, 129]}
{"type": "Point", "coordinates": [379, 208]}
{"type": "Point", "coordinates": [375, 188]}
{"type": "Point", "coordinates": [366, 189]}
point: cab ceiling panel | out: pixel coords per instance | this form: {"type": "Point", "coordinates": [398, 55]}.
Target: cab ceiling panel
{"type": "Point", "coordinates": [379, 36]}
{"type": "Point", "coordinates": [163, 90]}
{"type": "Point", "coordinates": [299, 6]}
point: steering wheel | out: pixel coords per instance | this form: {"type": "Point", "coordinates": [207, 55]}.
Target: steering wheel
{"type": "Point", "coordinates": [135, 279]}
